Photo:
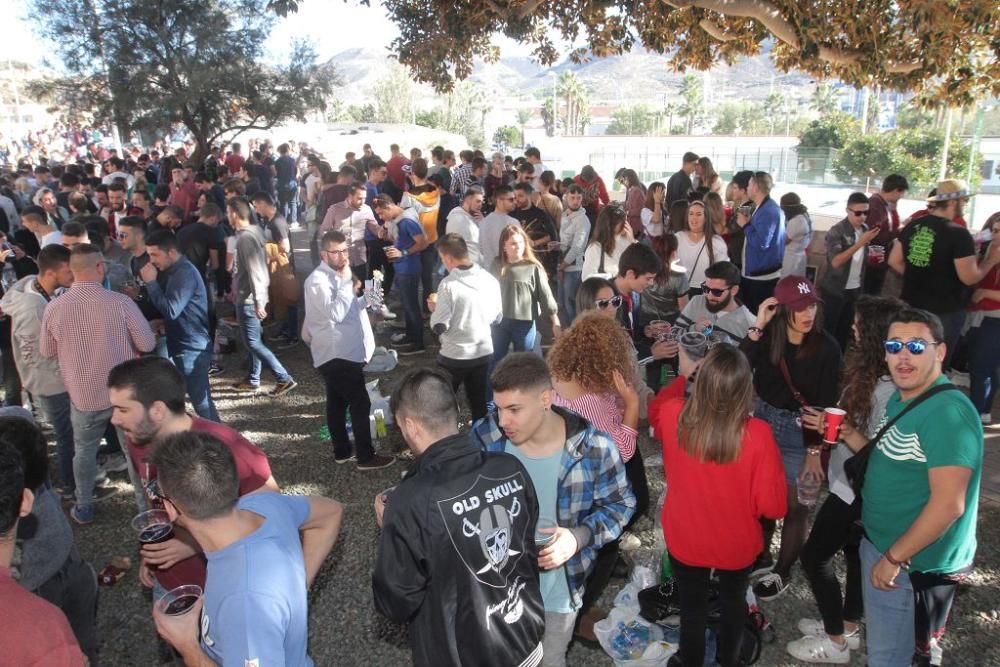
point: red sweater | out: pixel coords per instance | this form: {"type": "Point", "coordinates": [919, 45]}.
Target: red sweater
{"type": "Point", "coordinates": [711, 517]}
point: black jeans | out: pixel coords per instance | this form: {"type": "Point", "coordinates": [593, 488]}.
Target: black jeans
{"type": "Point", "coordinates": [635, 470]}
{"type": "Point", "coordinates": [875, 278]}
{"type": "Point", "coordinates": [345, 389]}
{"type": "Point", "coordinates": [428, 265]}
{"type": "Point", "coordinates": [692, 587]}
{"type": "Point", "coordinates": [834, 529]}
{"type": "Point", "coordinates": [74, 590]}
{"type": "Point", "coordinates": [475, 374]}
{"type": "Point", "coordinates": [838, 313]}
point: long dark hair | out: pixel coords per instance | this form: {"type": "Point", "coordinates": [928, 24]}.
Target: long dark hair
{"type": "Point", "coordinates": [708, 229]}
{"type": "Point", "coordinates": [777, 334]}
{"type": "Point", "coordinates": [665, 247]}
{"type": "Point", "coordinates": [606, 227]}
{"type": "Point", "coordinates": [865, 362]}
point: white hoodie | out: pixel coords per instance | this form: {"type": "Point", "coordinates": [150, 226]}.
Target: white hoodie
{"type": "Point", "coordinates": [463, 224]}
{"type": "Point", "coordinates": [25, 307]}
{"type": "Point", "coordinates": [468, 305]}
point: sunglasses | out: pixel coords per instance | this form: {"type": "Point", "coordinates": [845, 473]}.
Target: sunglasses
{"type": "Point", "coordinates": [914, 346]}
{"type": "Point", "coordinates": [714, 291]}
{"type": "Point", "coordinates": [615, 301]}
{"type": "Point", "coordinates": [860, 214]}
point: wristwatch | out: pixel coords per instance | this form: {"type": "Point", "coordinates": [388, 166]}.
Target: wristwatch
{"type": "Point", "coordinates": [405, 253]}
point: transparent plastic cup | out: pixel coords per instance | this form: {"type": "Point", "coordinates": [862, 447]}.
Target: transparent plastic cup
{"type": "Point", "coordinates": [807, 489]}
{"type": "Point", "coordinates": [544, 539]}
{"type": "Point", "coordinates": [179, 601]}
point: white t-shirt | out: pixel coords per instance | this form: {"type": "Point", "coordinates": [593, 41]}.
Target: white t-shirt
{"type": "Point", "coordinates": [693, 256]}
{"type": "Point", "coordinates": [799, 233]}
{"type": "Point", "coordinates": [52, 238]}
{"type": "Point", "coordinates": [592, 259]}
{"type": "Point", "coordinates": [854, 277]}
{"type": "Point", "coordinates": [652, 227]}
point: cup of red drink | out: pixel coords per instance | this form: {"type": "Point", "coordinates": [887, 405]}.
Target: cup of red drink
{"type": "Point", "coordinates": [832, 419]}
{"type": "Point", "coordinates": [178, 601]}
{"type": "Point", "coordinates": [153, 527]}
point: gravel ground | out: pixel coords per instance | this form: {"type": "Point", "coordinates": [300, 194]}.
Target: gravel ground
{"type": "Point", "coordinates": [344, 628]}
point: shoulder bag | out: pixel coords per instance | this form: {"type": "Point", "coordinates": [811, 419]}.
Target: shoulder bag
{"type": "Point", "coordinates": [810, 437]}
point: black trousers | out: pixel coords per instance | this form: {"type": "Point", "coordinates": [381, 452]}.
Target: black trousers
{"type": "Point", "coordinates": [345, 390]}
{"type": "Point", "coordinates": [838, 314]}
{"type": "Point", "coordinates": [475, 375]}
{"type": "Point", "coordinates": [875, 278]}
{"type": "Point", "coordinates": [692, 587]}
{"type": "Point", "coordinates": [835, 529]}
{"type": "Point", "coordinates": [74, 590]}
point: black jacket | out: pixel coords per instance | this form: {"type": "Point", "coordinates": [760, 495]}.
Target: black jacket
{"type": "Point", "coordinates": [457, 559]}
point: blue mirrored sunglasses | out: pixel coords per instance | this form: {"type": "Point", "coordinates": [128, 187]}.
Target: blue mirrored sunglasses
{"type": "Point", "coordinates": [914, 346]}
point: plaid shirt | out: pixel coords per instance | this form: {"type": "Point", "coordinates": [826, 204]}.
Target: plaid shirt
{"type": "Point", "coordinates": [91, 330]}
{"type": "Point", "coordinates": [461, 179]}
{"type": "Point", "coordinates": [594, 492]}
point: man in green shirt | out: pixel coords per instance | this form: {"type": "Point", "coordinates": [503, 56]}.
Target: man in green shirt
{"type": "Point", "coordinates": [920, 496]}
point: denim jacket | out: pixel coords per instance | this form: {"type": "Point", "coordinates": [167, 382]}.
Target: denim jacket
{"type": "Point", "coordinates": [595, 499]}
{"type": "Point", "coordinates": [839, 238]}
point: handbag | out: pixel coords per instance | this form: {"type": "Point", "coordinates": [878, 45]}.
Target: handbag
{"type": "Point", "coordinates": [810, 437]}
{"type": "Point", "coordinates": [856, 466]}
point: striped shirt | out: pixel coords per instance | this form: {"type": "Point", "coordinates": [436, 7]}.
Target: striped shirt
{"type": "Point", "coordinates": [603, 412]}
{"type": "Point", "coordinates": [91, 330]}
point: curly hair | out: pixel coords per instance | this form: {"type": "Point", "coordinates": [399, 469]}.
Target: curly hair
{"type": "Point", "coordinates": [590, 351]}
{"type": "Point", "coordinates": [865, 363]}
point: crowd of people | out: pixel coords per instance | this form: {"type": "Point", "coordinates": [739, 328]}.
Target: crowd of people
{"type": "Point", "coordinates": [570, 321]}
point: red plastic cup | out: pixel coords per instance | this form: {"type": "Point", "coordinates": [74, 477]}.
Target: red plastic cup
{"type": "Point", "coordinates": [833, 417]}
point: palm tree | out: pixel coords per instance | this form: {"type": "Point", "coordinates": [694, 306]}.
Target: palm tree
{"type": "Point", "coordinates": [824, 99]}
{"type": "Point", "coordinates": [523, 118]}
{"type": "Point", "coordinates": [772, 107]}
{"type": "Point", "coordinates": [691, 92]}
{"type": "Point", "coordinates": [671, 109]}
{"type": "Point", "coordinates": [575, 96]}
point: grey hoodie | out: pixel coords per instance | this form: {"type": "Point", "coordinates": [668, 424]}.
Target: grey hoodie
{"type": "Point", "coordinates": [468, 304]}
{"type": "Point", "coordinates": [25, 306]}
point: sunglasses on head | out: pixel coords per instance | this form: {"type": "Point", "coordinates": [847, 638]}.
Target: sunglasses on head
{"type": "Point", "coordinates": [615, 301]}
{"type": "Point", "coordinates": [714, 291]}
{"type": "Point", "coordinates": [914, 346]}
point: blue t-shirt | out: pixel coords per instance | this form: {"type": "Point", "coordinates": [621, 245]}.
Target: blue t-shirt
{"type": "Point", "coordinates": [409, 230]}
{"type": "Point", "coordinates": [371, 192]}
{"type": "Point", "coordinates": [544, 475]}
{"type": "Point", "coordinates": [256, 610]}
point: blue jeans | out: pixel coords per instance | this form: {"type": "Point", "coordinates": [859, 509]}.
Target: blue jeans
{"type": "Point", "coordinates": [257, 352]}
{"type": "Point", "coordinates": [889, 614]}
{"type": "Point", "coordinates": [788, 434]}
{"type": "Point", "coordinates": [88, 429]}
{"type": "Point", "coordinates": [193, 365]}
{"type": "Point", "coordinates": [521, 333]}
{"type": "Point", "coordinates": [408, 285]}
{"type": "Point", "coordinates": [984, 364]}
{"type": "Point", "coordinates": [56, 411]}
{"type": "Point", "coordinates": [953, 324]}
{"type": "Point", "coordinates": [568, 286]}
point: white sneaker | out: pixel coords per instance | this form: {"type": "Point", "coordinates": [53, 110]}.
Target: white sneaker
{"type": "Point", "coordinates": [629, 542]}
{"type": "Point", "coordinates": [819, 650]}
{"type": "Point", "coordinates": [386, 313]}
{"type": "Point", "coordinates": [986, 419]}
{"type": "Point", "coordinates": [813, 627]}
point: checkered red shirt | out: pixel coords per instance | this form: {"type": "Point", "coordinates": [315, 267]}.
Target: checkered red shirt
{"type": "Point", "coordinates": [91, 330]}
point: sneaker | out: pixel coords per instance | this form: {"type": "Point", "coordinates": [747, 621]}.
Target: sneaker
{"type": "Point", "coordinates": [763, 565]}
{"type": "Point", "coordinates": [66, 494]}
{"type": "Point", "coordinates": [629, 542]}
{"type": "Point", "coordinates": [376, 463]}
{"type": "Point", "coordinates": [813, 627]}
{"type": "Point", "coordinates": [958, 378]}
{"type": "Point", "coordinates": [113, 463]}
{"type": "Point", "coordinates": [283, 388]}
{"type": "Point", "coordinates": [398, 338]}
{"type": "Point", "coordinates": [770, 586]}
{"type": "Point", "coordinates": [346, 459]}
{"type": "Point", "coordinates": [409, 350]}
{"type": "Point", "coordinates": [288, 343]}
{"type": "Point", "coordinates": [986, 419]}
{"type": "Point", "coordinates": [386, 313]}
{"type": "Point", "coordinates": [82, 515]}
{"type": "Point", "coordinates": [245, 387]}
{"type": "Point", "coordinates": [405, 455]}
{"type": "Point", "coordinates": [820, 650]}
{"type": "Point", "coordinates": [215, 369]}
{"type": "Point", "coordinates": [104, 492]}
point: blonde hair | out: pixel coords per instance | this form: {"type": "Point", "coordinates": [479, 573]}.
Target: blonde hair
{"type": "Point", "coordinates": [713, 420]}
{"type": "Point", "coordinates": [529, 254]}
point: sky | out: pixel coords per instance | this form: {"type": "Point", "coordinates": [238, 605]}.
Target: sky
{"type": "Point", "coordinates": [331, 25]}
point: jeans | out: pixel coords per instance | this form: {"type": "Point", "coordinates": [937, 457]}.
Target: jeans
{"type": "Point", "coordinates": [345, 389]}
{"type": "Point", "coordinates": [521, 333]}
{"type": "Point", "coordinates": [56, 411]}
{"type": "Point", "coordinates": [875, 278]}
{"type": "Point", "coordinates": [984, 364]}
{"type": "Point", "coordinates": [555, 641]}
{"type": "Point", "coordinates": [953, 325]}
{"type": "Point", "coordinates": [889, 614]}
{"type": "Point", "coordinates": [834, 529]}
{"type": "Point", "coordinates": [88, 428]}
{"type": "Point", "coordinates": [568, 286]}
{"type": "Point", "coordinates": [692, 587]}
{"type": "Point", "coordinates": [11, 379]}
{"type": "Point", "coordinates": [408, 285]}
{"type": "Point", "coordinates": [288, 203]}
{"type": "Point", "coordinates": [257, 352]}
{"type": "Point", "coordinates": [193, 365]}
{"type": "Point", "coordinates": [474, 374]}
{"type": "Point", "coordinates": [635, 471]}
{"type": "Point", "coordinates": [74, 590]}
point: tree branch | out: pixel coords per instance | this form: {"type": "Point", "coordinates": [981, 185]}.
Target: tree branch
{"type": "Point", "coordinates": [783, 29]}
{"type": "Point", "coordinates": [527, 9]}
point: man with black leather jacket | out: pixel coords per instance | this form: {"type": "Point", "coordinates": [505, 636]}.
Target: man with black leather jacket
{"type": "Point", "coordinates": [457, 556]}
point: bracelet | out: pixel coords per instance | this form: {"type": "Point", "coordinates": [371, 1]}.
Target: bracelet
{"type": "Point", "coordinates": [756, 330]}
{"type": "Point", "coordinates": [893, 561]}
{"type": "Point", "coordinates": [814, 451]}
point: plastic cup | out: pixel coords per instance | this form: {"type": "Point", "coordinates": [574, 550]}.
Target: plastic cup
{"type": "Point", "coordinates": [544, 539]}
{"type": "Point", "coordinates": [660, 326]}
{"type": "Point", "coordinates": [554, 245]}
{"type": "Point", "coordinates": [179, 601]}
{"type": "Point", "coordinates": [833, 417]}
{"type": "Point", "coordinates": [807, 489]}
{"type": "Point", "coordinates": [153, 526]}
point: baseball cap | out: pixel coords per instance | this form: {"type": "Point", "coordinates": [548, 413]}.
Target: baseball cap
{"type": "Point", "coordinates": [796, 292]}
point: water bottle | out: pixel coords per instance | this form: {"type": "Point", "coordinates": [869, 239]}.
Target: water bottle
{"type": "Point", "coordinates": [9, 276]}
{"type": "Point", "coordinates": [807, 489]}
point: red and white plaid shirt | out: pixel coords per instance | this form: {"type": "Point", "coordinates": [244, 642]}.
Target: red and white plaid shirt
{"type": "Point", "coordinates": [91, 330]}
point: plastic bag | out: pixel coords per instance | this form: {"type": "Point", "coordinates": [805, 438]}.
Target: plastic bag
{"type": "Point", "coordinates": [382, 361]}
{"type": "Point", "coordinates": [378, 401]}
{"type": "Point", "coordinates": [631, 641]}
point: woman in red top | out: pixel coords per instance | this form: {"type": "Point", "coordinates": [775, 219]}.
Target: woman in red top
{"type": "Point", "coordinates": [724, 474]}
{"type": "Point", "coordinates": [984, 340]}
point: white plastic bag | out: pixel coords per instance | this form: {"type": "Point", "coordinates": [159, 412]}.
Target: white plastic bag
{"type": "Point", "coordinates": [631, 641]}
{"type": "Point", "coordinates": [382, 361]}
